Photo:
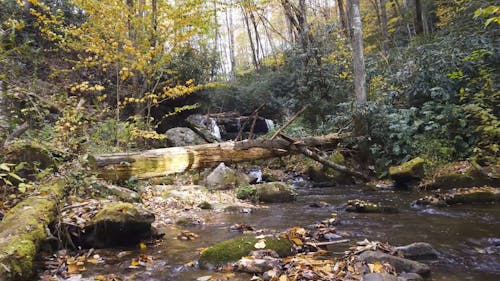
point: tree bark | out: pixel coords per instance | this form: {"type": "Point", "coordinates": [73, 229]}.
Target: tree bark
{"type": "Point", "coordinates": [383, 16]}
{"type": "Point", "coordinates": [419, 26]}
{"type": "Point", "coordinates": [343, 20]}
{"type": "Point", "coordinates": [161, 162]}
{"type": "Point", "coordinates": [358, 58]}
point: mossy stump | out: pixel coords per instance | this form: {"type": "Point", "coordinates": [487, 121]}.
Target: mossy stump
{"type": "Point", "coordinates": [236, 248]}
{"type": "Point", "coordinates": [23, 230]}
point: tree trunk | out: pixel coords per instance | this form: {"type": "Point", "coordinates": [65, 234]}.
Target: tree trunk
{"type": "Point", "coordinates": [419, 26]}
{"type": "Point", "coordinates": [343, 20]}
{"type": "Point", "coordinates": [383, 16]}
{"type": "Point", "coordinates": [358, 58]}
{"type": "Point", "coordinates": [161, 162]}
{"type": "Point", "coordinates": [249, 32]}
{"type": "Point", "coordinates": [230, 35]}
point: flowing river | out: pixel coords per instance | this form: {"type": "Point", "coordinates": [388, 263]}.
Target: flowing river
{"type": "Point", "coordinates": [467, 237]}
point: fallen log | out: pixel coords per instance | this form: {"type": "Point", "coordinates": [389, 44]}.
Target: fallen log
{"type": "Point", "coordinates": [24, 228]}
{"type": "Point", "coordinates": [164, 161]}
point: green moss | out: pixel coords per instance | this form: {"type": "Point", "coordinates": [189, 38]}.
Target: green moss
{"type": "Point", "coordinates": [234, 249]}
{"type": "Point", "coordinates": [23, 230]}
{"type": "Point", "coordinates": [247, 192]}
{"type": "Point", "coordinates": [122, 211]}
{"type": "Point", "coordinates": [411, 170]}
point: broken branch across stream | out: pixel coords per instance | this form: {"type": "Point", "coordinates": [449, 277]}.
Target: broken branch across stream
{"type": "Point", "coordinates": [164, 161]}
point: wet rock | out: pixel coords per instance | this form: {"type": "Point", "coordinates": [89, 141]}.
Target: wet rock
{"type": "Point", "coordinates": [318, 175]}
{"type": "Point", "coordinates": [36, 156]}
{"type": "Point", "coordinates": [223, 177]}
{"type": "Point", "coordinates": [255, 175]}
{"type": "Point", "coordinates": [188, 221]}
{"type": "Point", "coordinates": [119, 224]}
{"type": "Point", "coordinates": [360, 206]}
{"type": "Point", "coordinates": [410, 277]}
{"type": "Point", "coordinates": [182, 136]}
{"type": "Point", "coordinates": [236, 248]}
{"type": "Point", "coordinates": [407, 172]}
{"type": "Point", "coordinates": [462, 175]}
{"type": "Point", "coordinates": [418, 251]}
{"type": "Point", "coordinates": [270, 192]}
{"type": "Point", "coordinates": [122, 193]}
{"type": "Point", "coordinates": [260, 261]}
{"type": "Point", "coordinates": [400, 264]}
{"type": "Point", "coordinates": [461, 196]}
{"type": "Point", "coordinates": [379, 277]}
{"type": "Point", "coordinates": [205, 126]}
{"type": "Point", "coordinates": [205, 206]}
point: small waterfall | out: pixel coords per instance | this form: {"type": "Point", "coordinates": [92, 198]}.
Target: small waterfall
{"type": "Point", "coordinates": [214, 129]}
{"type": "Point", "coordinates": [270, 124]}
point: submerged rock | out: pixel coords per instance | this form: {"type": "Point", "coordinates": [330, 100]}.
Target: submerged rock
{"type": "Point", "coordinates": [400, 264]}
{"type": "Point", "coordinates": [119, 224]}
{"type": "Point", "coordinates": [462, 175]}
{"type": "Point", "coordinates": [223, 177]}
{"type": "Point", "coordinates": [418, 251]}
{"type": "Point", "coordinates": [379, 277]}
{"type": "Point", "coordinates": [270, 192]}
{"type": "Point", "coordinates": [360, 206]}
{"type": "Point", "coordinates": [484, 194]}
{"type": "Point", "coordinates": [236, 248]}
{"type": "Point", "coordinates": [412, 170]}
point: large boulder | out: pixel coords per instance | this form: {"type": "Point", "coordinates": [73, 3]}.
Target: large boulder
{"type": "Point", "coordinates": [269, 192]}
{"type": "Point", "coordinates": [359, 206]}
{"type": "Point", "coordinates": [236, 248]}
{"type": "Point", "coordinates": [119, 223]}
{"type": "Point", "coordinates": [223, 177]}
{"type": "Point", "coordinates": [462, 175]}
{"type": "Point", "coordinates": [182, 136]}
{"type": "Point", "coordinates": [412, 170]}
{"type": "Point", "coordinates": [400, 264]}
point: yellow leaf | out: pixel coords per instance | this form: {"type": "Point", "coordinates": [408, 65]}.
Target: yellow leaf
{"type": "Point", "coordinates": [376, 267]}
{"type": "Point", "coordinates": [142, 246]}
{"type": "Point", "coordinates": [283, 278]}
{"type": "Point", "coordinates": [297, 241]}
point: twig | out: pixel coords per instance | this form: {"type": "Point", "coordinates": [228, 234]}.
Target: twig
{"type": "Point", "coordinates": [319, 244]}
{"type": "Point", "coordinates": [289, 122]}
{"type": "Point", "coordinates": [245, 123]}
{"type": "Point", "coordinates": [74, 206]}
{"type": "Point", "coordinates": [17, 132]}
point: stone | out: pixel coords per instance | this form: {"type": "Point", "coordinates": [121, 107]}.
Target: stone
{"type": "Point", "coordinates": [182, 136]}
{"type": "Point", "coordinates": [462, 175]}
{"type": "Point", "coordinates": [410, 277]}
{"type": "Point", "coordinates": [418, 251]}
{"type": "Point", "coordinates": [400, 264]}
{"type": "Point", "coordinates": [408, 171]}
{"type": "Point", "coordinates": [119, 223]}
{"type": "Point", "coordinates": [236, 248]}
{"type": "Point", "coordinates": [275, 192]}
{"type": "Point", "coordinates": [473, 195]}
{"type": "Point", "coordinates": [223, 177]}
{"type": "Point", "coordinates": [379, 277]}
{"type": "Point", "coordinates": [360, 206]}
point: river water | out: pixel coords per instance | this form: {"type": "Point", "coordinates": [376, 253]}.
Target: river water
{"type": "Point", "coordinates": [467, 237]}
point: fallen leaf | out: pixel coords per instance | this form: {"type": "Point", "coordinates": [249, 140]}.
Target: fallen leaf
{"type": "Point", "coordinates": [142, 246]}
{"type": "Point", "coordinates": [376, 267]}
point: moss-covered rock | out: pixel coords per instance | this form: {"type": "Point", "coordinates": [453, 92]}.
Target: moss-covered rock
{"type": "Point", "coordinates": [269, 192]}
{"type": "Point", "coordinates": [23, 230]}
{"type": "Point", "coordinates": [462, 175]}
{"type": "Point", "coordinates": [360, 206]}
{"type": "Point", "coordinates": [408, 171]}
{"type": "Point", "coordinates": [119, 224]}
{"type": "Point", "coordinates": [461, 196]}
{"type": "Point", "coordinates": [275, 192]}
{"type": "Point", "coordinates": [236, 248]}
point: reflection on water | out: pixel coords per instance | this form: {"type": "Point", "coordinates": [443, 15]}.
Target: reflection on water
{"type": "Point", "coordinates": [468, 237]}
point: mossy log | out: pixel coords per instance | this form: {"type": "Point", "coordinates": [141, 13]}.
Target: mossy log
{"type": "Point", "coordinates": [161, 162]}
{"type": "Point", "coordinates": [24, 228]}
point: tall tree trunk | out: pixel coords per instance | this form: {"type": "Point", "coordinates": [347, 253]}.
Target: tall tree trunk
{"type": "Point", "coordinates": [358, 58]}
{"type": "Point", "coordinates": [343, 20]}
{"type": "Point", "coordinates": [383, 16]}
{"type": "Point", "coordinates": [419, 26]}
{"type": "Point", "coordinates": [230, 35]}
{"type": "Point", "coordinates": [249, 32]}
{"type": "Point", "coordinates": [154, 21]}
